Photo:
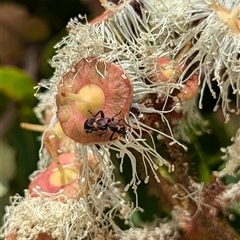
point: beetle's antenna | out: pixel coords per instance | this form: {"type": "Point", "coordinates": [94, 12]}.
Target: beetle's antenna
{"type": "Point", "coordinates": [116, 115]}
{"type": "Point", "coordinates": [101, 113]}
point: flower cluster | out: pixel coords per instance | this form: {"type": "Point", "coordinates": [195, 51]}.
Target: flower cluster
{"type": "Point", "coordinates": [232, 157]}
{"type": "Point", "coordinates": [122, 83]}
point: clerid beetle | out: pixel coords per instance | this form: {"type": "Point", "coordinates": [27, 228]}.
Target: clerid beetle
{"type": "Point", "coordinates": [99, 122]}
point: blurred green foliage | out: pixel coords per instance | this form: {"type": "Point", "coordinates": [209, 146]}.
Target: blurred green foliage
{"type": "Point", "coordinates": [16, 84]}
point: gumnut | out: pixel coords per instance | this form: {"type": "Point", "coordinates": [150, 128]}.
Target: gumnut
{"type": "Point", "coordinates": [61, 177]}
{"type": "Point", "coordinates": [166, 71]}
{"type": "Point", "coordinates": [190, 88]}
{"type": "Point", "coordinates": [106, 15]}
{"type": "Point", "coordinates": [55, 134]}
{"type": "Point", "coordinates": [93, 86]}
{"type": "Point", "coordinates": [41, 236]}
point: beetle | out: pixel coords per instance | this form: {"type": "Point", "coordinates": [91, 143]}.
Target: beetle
{"type": "Point", "coordinates": [105, 124]}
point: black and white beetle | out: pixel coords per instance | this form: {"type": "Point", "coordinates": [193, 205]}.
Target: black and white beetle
{"type": "Point", "coordinates": [105, 124]}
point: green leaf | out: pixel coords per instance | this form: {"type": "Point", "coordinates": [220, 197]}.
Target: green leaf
{"type": "Point", "coordinates": [16, 84]}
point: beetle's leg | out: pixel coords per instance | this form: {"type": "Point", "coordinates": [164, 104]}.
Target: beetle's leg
{"type": "Point", "coordinates": [103, 133]}
{"type": "Point", "coordinates": [111, 137]}
{"type": "Point", "coordinates": [122, 120]}
{"type": "Point", "coordinates": [101, 114]}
